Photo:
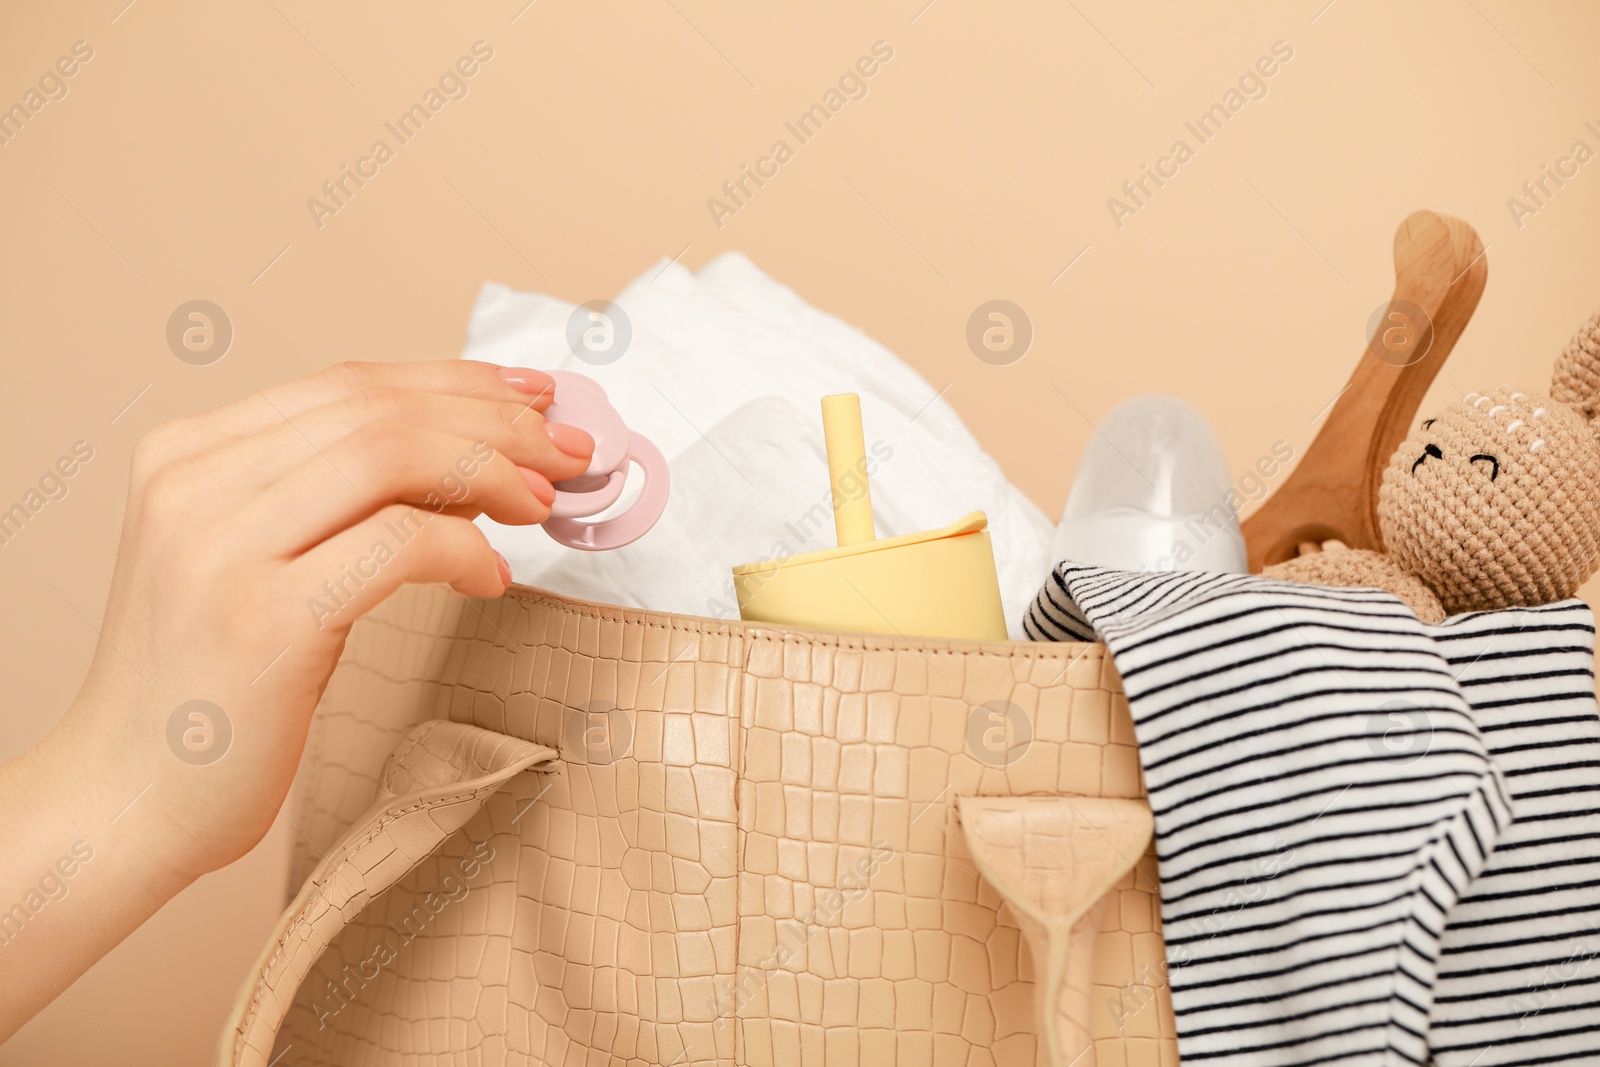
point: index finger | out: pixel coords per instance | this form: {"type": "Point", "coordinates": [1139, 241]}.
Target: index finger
{"type": "Point", "coordinates": [281, 403]}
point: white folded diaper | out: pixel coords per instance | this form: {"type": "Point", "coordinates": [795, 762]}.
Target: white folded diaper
{"type": "Point", "coordinates": [723, 371]}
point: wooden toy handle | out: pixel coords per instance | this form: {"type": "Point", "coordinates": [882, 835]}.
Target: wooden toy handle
{"type": "Point", "coordinates": [1439, 267]}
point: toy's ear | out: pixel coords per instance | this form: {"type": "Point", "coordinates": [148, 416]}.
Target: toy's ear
{"type": "Point", "coordinates": [1576, 379]}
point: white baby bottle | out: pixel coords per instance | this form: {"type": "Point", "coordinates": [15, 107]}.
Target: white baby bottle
{"type": "Point", "coordinates": [1152, 492]}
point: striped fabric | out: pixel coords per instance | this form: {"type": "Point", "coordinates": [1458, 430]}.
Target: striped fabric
{"type": "Point", "coordinates": [1519, 978]}
{"type": "Point", "coordinates": [1322, 798]}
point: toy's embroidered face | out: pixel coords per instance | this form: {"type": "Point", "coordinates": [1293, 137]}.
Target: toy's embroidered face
{"type": "Point", "coordinates": [1431, 451]}
{"type": "Point", "coordinates": [1502, 483]}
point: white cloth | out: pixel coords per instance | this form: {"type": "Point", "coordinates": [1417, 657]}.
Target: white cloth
{"type": "Point", "coordinates": [724, 372]}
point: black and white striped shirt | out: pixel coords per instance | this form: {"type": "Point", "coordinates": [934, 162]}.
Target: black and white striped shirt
{"type": "Point", "coordinates": [1329, 778]}
{"type": "Point", "coordinates": [1519, 978]}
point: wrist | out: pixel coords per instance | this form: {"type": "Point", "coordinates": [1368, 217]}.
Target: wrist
{"type": "Point", "coordinates": [81, 872]}
{"type": "Point", "coordinates": [110, 783]}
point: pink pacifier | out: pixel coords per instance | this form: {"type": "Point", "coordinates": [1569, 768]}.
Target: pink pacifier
{"type": "Point", "coordinates": [580, 402]}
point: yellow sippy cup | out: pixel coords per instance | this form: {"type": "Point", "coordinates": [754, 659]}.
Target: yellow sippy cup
{"type": "Point", "coordinates": [940, 583]}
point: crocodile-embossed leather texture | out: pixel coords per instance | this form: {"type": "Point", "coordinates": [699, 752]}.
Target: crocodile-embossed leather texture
{"type": "Point", "coordinates": [751, 855]}
{"type": "Point", "coordinates": [431, 785]}
{"type": "Point", "coordinates": [1054, 860]}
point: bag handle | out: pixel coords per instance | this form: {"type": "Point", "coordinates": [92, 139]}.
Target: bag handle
{"type": "Point", "coordinates": [436, 779]}
{"type": "Point", "coordinates": [1055, 861]}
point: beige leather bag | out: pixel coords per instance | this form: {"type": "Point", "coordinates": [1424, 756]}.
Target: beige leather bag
{"type": "Point", "coordinates": [543, 831]}
{"type": "Point", "coordinates": [535, 830]}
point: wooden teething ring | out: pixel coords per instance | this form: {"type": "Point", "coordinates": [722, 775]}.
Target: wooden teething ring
{"type": "Point", "coordinates": [1439, 267]}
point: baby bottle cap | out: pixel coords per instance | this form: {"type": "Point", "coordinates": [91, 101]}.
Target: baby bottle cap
{"type": "Point", "coordinates": [1153, 491]}
{"type": "Point", "coordinates": [579, 401]}
{"type": "Point", "coordinates": [1151, 453]}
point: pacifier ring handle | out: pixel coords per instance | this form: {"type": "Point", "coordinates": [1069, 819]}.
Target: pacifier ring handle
{"type": "Point", "coordinates": [632, 524]}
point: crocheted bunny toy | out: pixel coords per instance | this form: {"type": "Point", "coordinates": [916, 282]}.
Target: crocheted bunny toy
{"type": "Point", "coordinates": [1493, 504]}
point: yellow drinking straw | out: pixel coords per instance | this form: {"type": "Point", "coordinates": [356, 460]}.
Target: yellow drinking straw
{"type": "Point", "coordinates": [847, 468]}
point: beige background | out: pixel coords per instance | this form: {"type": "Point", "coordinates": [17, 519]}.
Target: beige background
{"type": "Point", "coordinates": [978, 166]}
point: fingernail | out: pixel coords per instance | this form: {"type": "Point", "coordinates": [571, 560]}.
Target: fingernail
{"type": "Point", "coordinates": [526, 380]}
{"type": "Point", "coordinates": [505, 568]}
{"type": "Point", "coordinates": [540, 485]}
{"type": "Point", "coordinates": [570, 439]}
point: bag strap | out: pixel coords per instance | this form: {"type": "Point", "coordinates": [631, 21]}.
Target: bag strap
{"type": "Point", "coordinates": [436, 779]}
{"type": "Point", "coordinates": [1055, 860]}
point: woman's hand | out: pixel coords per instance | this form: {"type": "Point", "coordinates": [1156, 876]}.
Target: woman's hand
{"type": "Point", "coordinates": [254, 536]}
